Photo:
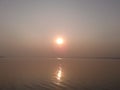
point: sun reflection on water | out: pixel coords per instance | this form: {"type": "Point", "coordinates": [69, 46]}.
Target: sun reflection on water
{"type": "Point", "coordinates": [59, 73]}
{"type": "Point", "coordinates": [58, 76]}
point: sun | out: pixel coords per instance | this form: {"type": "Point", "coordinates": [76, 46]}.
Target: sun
{"type": "Point", "coordinates": [59, 41]}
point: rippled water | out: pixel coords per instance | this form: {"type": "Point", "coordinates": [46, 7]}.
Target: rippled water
{"type": "Point", "coordinates": [59, 74]}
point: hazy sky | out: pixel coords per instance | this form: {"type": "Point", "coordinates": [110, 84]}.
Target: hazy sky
{"type": "Point", "coordinates": [89, 27]}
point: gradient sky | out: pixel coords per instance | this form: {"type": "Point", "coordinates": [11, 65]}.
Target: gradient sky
{"type": "Point", "coordinates": [90, 27]}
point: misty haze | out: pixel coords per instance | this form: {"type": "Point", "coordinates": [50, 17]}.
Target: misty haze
{"type": "Point", "coordinates": [59, 44]}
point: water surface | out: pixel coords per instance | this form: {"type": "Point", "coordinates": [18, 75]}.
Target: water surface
{"type": "Point", "coordinates": [59, 74]}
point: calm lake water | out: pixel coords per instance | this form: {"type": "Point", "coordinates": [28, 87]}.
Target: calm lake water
{"type": "Point", "coordinates": [59, 74]}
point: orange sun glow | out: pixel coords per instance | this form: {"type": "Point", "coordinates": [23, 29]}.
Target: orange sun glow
{"type": "Point", "coordinates": [59, 41]}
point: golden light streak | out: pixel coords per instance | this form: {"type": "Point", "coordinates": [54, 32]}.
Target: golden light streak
{"type": "Point", "coordinates": [59, 58]}
{"type": "Point", "coordinates": [59, 73]}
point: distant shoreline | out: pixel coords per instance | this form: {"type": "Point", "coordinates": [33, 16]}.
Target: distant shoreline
{"type": "Point", "coordinates": [61, 57]}
{"type": "Point", "coordinates": [2, 56]}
